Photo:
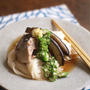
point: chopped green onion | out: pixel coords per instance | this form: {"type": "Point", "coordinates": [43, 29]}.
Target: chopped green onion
{"type": "Point", "coordinates": [43, 55]}
{"type": "Point", "coordinates": [63, 74]}
{"type": "Point", "coordinates": [52, 79]}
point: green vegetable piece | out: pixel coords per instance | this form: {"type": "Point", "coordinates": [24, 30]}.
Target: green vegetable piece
{"type": "Point", "coordinates": [50, 69]}
{"type": "Point", "coordinates": [43, 55]}
{"type": "Point", "coordinates": [63, 74]}
{"type": "Point", "coordinates": [52, 79]}
{"type": "Point", "coordinates": [47, 75]}
{"type": "Point", "coordinates": [43, 48]}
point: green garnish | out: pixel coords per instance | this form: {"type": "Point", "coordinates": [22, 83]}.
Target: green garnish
{"type": "Point", "coordinates": [50, 69]}
{"type": "Point", "coordinates": [52, 79]}
{"type": "Point", "coordinates": [43, 55]}
{"type": "Point", "coordinates": [63, 74]}
{"type": "Point", "coordinates": [50, 64]}
{"type": "Point", "coordinates": [43, 43]}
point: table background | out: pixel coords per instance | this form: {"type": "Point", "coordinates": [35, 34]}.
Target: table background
{"type": "Point", "coordinates": [80, 8]}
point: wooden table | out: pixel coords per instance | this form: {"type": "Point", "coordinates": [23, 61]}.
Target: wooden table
{"type": "Point", "coordinates": [80, 8]}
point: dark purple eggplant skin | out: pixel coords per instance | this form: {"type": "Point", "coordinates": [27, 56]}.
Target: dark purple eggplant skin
{"type": "Point", "coordinates": [29, 29]}
{"type": "Point", "coordinates": [61, 44]}
{"type": "Point", "coordinates": [61, 54]}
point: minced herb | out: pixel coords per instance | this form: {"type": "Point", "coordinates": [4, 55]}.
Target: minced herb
{"type": "Point", "coordinates": [50, 69]}
{"type": "Point", "coordinates": [43, 43]}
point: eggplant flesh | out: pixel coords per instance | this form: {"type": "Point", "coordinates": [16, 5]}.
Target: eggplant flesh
{"type": "Point", "coordinates": [55, 49]}
{"type": "Point", "coordinates": [60, 43]}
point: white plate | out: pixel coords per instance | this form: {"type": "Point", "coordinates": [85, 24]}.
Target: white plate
{"type": "Point", "coordinates": [76, 79]}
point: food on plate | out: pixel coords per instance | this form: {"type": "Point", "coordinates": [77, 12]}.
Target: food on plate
{"type": "Point", "coordinates": [40, 54]}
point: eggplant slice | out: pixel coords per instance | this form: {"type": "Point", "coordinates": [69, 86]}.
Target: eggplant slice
{"type": "Point", "coordinates": [56, 51]}
{"type": "Point", "coordinates": [60, 43]}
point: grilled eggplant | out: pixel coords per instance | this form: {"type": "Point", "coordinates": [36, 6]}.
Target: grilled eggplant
{"type": "Point", "coordinates": [60, 43]}
{"type": "Point", "coordinates": [56, 51]}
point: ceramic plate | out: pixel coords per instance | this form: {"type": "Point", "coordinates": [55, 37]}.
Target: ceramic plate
{"type": "Point", "coordinates": [75, 80]}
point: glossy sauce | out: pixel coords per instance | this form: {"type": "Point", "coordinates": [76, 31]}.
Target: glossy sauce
{"type": "Point", "coordinates": [14, 43]}
{"type": "Point", "coordinates": [68, 66]}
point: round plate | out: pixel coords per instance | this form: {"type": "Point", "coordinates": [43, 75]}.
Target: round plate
{"type": "Point", "coordinates": [75, 80]}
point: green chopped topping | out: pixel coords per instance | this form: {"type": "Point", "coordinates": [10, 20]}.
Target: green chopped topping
{"type": "Point", "coordinates": [43, 43]}
{"type": "Point", "coordinates": [52, 79]}
{"type": "Point", "coordinates": [63, 74]}
{"type": "Point", "coordinates": [50, 69]}
{"type": "Point", "coordinates": [43, 55]}
{"type": "Point", "coordinates": [50, 64]}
